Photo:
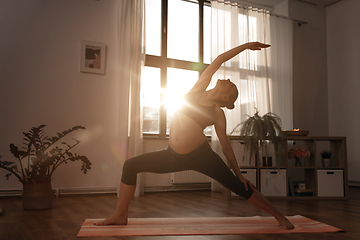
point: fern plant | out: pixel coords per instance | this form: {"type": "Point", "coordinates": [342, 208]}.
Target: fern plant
{"type": "Point", "coordinates": [41, 156]}
{"type": "Point", "coordinates": [326, 154]}
{"type": "Point", "coordinates": [257, 129]}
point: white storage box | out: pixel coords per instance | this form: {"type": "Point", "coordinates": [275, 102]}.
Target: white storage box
{"type": "Point", "coordinates": [330, 183]}
{"type": "Point", "coordinates": [273, 182]}
{"type": "Point", "coordinates": [242, 159]}
{"type": "Point", "coordinates": [249, 174]}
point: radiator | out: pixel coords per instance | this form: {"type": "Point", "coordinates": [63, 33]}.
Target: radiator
{"type": "Point", "coordinates": [189, 176]}
{"type": "Point", "coordinates": [61, 191]}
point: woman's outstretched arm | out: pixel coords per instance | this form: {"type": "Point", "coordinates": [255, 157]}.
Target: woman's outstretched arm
{"type": "Point", "coordinates": [205, 77]}
{"type": "Point", "coordinates": [220, 128]}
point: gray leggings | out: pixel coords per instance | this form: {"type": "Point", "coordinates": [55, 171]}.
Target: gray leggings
{"type": "Point", "coordinates": [203, 159]}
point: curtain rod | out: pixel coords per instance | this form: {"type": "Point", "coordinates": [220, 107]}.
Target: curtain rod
{"type": "Point", "coordinates": [257, 8]}
{"type": "Point", "coordinates": [292, 19]}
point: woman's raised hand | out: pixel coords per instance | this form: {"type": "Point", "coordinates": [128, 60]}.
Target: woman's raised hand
{"type": "Point", "coordinates": [257, 45]}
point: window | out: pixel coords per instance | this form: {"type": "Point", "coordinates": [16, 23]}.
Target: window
{"type": "Point", "coordinates": [177, 39]}
{"type": "Point", "coordinates": [177, 34]}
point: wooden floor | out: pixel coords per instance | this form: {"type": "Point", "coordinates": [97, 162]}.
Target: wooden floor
{"type": "Point", "coordinates": [69, 212]}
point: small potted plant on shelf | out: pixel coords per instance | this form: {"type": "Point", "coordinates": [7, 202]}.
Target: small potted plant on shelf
{"type": "Point", "coordinates": [325, 158]}
{"type": "Point", "coordinates": [40, 157]}
{"type": "Point", "coordinates": [258, 130]}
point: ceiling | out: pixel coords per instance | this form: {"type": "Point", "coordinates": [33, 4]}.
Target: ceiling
{"type": "Point", "coordinates": [323, 3]}
{"type": "Point", "coordinates": [272, 3]}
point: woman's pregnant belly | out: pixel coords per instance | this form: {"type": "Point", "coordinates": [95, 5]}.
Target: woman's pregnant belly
{"type": "Point", "coordinates": [185, 134]}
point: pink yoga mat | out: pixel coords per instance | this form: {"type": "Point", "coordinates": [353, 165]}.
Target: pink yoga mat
{"type": "Point", "coordinates": [203, 226]}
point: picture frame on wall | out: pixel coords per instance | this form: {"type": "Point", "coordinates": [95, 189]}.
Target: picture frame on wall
{"type": "Point", "coordinates": [93, 57]}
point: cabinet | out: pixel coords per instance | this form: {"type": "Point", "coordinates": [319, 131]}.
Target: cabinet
{"type": "Point", "coordinates": [309, 180]}
{"type": "Point", "coordinates": [273, 182]}
{"type": "Point", "coordinates": [330, 183]}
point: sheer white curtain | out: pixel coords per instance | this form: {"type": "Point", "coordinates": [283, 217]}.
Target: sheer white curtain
{"type": "Point", "coordinates": [264, 78]}
{"type": "Point", "coordinates": [281, 69]}
{"type": "Point", "coordinates": [131, 61]}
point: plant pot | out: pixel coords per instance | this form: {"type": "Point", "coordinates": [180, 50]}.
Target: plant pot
{"type": "Point", "coordinates": [326, 162]}
{"type": "Point", "coordinates": [267, 161]}
{"type": "Point", "coordinates": [37, 196]}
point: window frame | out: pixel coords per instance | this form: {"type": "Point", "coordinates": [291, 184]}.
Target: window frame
{"type": "Point", "coordinates": [163, 62]}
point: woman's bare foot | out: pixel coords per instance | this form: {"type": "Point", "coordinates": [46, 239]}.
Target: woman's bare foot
{"type": "Point", "coordinates": [112, 220]}
{"type": "Point", "coordinates": [285, 223]}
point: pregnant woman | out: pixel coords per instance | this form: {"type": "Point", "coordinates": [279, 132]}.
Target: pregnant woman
{"type": "Point", "coordinates": [188, 146]}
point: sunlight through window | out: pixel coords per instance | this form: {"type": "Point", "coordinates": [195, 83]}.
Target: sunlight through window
{"type": "Point", "coordinates": [207, 34]}
{"type": "Point", "coordinates": [179, 82]}
{"type": "Point", "coordinates": [172, 58]}
{"type": "Point", "coordinates": [248, 23]}
{"type": "Point", "coordinates": [153, 27]}
{"type": "Point", "coordinates": [183, 30]}
{"type": "Point", "coordinates": [150, 88]}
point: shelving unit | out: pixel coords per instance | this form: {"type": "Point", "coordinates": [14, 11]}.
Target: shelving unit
{"type": "Point", "coordinates": [311, 172]}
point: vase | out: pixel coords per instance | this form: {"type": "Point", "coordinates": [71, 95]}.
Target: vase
{"type": "Point", "coordinates": [267, 161]}
{"type": "Point", "coordinates": [37, 196]}
{"type": "Point", "coordinates": [298, 162]}
{"type": "Point", "coordinates": [326, 162]}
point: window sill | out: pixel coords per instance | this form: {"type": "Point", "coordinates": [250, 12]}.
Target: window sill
{"type": "Point", "coordinates": [157, 137]}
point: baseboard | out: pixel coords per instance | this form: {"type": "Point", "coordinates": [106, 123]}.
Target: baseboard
{"type": "Point", "coordinates": [107, 190]}
{"type": "Point", "coordinates": [354, 184]}
{"type": "Point", "coordinates": [179, 187]}
{"type": "Point", "coordinates": [11, 192]}
{"type": "Point", "coordinates": [89, 190]}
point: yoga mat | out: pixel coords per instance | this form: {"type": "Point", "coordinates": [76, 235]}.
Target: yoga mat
{"type": "Point", "coordinates": [203, 226]}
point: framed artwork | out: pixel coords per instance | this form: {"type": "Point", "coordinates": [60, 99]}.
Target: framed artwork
{"type": "Point", "coordinates": [93, 57]}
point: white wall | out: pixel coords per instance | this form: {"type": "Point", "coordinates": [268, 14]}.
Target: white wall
{"type": "Point", "coordinates": [310, 69]}
{"type": "Point", "coordinates": [343, 50]}
{"type": "Point", "coordinates": [41, 83]}
{"type": "Point", "coordinates": [282, 8]}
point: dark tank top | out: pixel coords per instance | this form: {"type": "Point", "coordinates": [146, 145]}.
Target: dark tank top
{"type": "Point", "coordinates": [203, 115]}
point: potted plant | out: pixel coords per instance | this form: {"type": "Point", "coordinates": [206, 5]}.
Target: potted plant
{"type": "Point", "coordinates": [258, 130]}
{"type": "Point", "coordinates": [40, 157]}
{"type": "Point", "coordinates": [325, 158]}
